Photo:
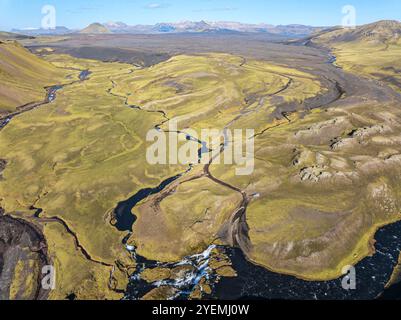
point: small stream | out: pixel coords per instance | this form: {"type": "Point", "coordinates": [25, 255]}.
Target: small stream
{"type": "Point", "coordinates": [50, 97]}
{"type": "Point", "coordinates": [84, 75]}
{"type": "Point", "coordinates": [254, 282]}
{"type": "Point", "coordinates": [51, 94]}
{"type": "Point", "coordinates": [5, 121]}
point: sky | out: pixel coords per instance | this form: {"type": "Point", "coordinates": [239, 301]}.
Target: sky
{"type": "Point", "coordinates": [76, 14]}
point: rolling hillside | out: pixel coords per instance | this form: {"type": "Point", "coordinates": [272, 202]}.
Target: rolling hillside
{"type": "Point", "coordinates": [13, 36]}
{"type": "Point", "coordinates": [23, 76]}
{"type": "Point", "coordinates": [386, 31]}
{"type": "Point", "coordinates": [371, 50]}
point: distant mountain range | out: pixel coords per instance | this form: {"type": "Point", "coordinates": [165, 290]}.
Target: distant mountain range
{"type": "Point", "coordinates": [179, 27]}
{"type": "Point", "coordinates": [381, 31]}
{"type": "Point", "coordinates": [215, 27]}
{"type": "Point", "coordinates": [40, 32]}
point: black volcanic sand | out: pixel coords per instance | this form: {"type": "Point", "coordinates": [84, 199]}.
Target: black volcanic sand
{"type": "Point", "coordinates": [144, 59]}
{"type": "Point", "coordinates": [148, 50]}
{"type": "Point", "coordinates": [372, 275]}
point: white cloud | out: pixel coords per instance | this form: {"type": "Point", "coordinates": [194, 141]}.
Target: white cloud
{"type": "Point", "coordinates": [156, 5]}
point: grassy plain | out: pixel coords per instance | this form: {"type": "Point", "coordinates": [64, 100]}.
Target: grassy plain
{"type": "Point", "coordinates": [209, 91]}
{"type": "Point", "coordinates": [201, 92]}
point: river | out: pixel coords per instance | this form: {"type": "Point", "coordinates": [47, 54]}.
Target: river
{"type": "Point", "coordinates": [372, 275]}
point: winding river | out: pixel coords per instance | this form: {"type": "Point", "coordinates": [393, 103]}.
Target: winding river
{"type": "Point", "coordinates": [51, 94]}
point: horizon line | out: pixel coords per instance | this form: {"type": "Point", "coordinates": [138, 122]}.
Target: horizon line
{"type": "Point", "coordinates": [194, 21]}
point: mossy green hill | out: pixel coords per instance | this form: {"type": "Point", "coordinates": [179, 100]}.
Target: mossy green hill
{"type": "Point", "coordinates": [24, 76]}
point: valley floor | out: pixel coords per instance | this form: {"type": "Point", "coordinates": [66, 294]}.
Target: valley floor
{"type": "Point", "coordinates": [325, 184]}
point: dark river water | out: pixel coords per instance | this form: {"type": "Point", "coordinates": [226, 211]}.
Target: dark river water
{"type": "Point", "coordinates": [123, 212]}
{"type": "Point", "coordinates": [50, 97]}
{"type": "Point", "coordinates": [372, 274]}
{"type": "Point", "coordinates": [254, 282]}
{"type": "Point", "coordinates": [84, 75]}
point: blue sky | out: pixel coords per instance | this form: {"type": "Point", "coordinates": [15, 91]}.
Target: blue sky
{"type": "Point", "coordinates": [79, 13]}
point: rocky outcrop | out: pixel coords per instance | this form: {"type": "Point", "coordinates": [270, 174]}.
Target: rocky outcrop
{"type": "Point", "coordinates": [323, 132]}
{"type": "Point", "coordinates": [3, 164]}
{"type": "Point", "coordinates": [23, 253]}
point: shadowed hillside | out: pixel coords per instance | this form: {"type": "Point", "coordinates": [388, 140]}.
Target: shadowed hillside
{"type": "Point", "coordinates": [386, 31]}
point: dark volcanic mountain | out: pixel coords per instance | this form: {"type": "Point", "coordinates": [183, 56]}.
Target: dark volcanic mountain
{"type": "Point", "coordinates": [95, 28]}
